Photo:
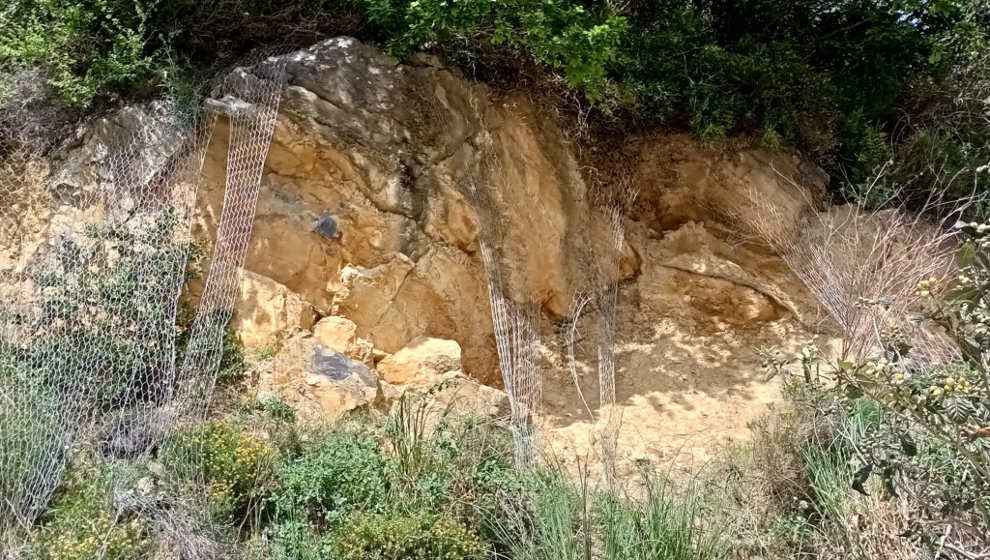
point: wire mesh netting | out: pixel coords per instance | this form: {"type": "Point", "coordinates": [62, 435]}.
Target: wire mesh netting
{"type": "Point", "coordinates": [865, 268]}
{"type": "Point", "coordinates": [91, 278]}
{"type": "Point", "coordinates": [598, 294]}
{"type": "Point", "coordinates": [517, 339]}
{"type": "Point", "coordinates": [615, 213]}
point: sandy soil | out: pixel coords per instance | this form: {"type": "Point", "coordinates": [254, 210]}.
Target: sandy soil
{"type": "Point", "coordinates": [688, 377]}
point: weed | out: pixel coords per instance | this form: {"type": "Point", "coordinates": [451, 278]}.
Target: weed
{"type": "Point", "coordinates": [393, 537]}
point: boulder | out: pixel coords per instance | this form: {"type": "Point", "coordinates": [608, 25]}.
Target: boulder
{"type": "Point", "coordinates": [423, 362]}
{"type": "Point", "coordinates": [453, 393]}
{"type": "Point", "coordinates": [322, 384]}
{"type": "Point", "coordinates": [336, 333]}
{"type": "Point", "coordinates": [468, 397]}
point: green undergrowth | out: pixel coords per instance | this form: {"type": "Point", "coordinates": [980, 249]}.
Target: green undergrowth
{"type": "Point", "coordinates": [403, 486]}
{"type": "Point", "coordinates": [414, 484]}
{"type": "Point", "coordinates": [80, 525]}
{"type": "Point", "coordinates": [853, 84]}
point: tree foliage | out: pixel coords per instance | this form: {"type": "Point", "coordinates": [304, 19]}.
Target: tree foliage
{"type": "Point", "coordinates": [852, 83]}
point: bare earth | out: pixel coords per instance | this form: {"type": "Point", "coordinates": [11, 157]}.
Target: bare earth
{"type": "Point", "coordinates": [688, 378]}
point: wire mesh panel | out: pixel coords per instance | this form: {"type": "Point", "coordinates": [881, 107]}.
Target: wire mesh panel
{"type": "Point", "coordinates": [865, 267]}
{"type": "Point", "coordinates": [517, 339]}
{"type": "Point", "coordinates": [88, 344]}
{"type": "Point", "coordinates": [615, 213]}
{"type": "Point", "coordinates": [88, 295]}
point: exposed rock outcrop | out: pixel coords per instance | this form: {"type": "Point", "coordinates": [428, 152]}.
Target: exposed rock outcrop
{"type": "Point", "coordinates": [380, 180]}
{"type": "Point", "coordinates": [268, 311]}
{"type": "Point", "coordinates": [384, 179]}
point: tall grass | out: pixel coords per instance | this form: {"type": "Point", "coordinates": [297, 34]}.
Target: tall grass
{"type": "Point", "coordinates": [832, 460]}
{"type": "Point", "coordinates": [664, 524]}
{"type": "Point", "coordinates": [548, 523]}
{"type": "Point", "coordinates": [561, 519]}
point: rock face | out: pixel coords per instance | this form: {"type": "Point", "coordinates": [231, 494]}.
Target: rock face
{"type": "Point", "coordinates": [268, 311]}
{"type": "Point", "coordinates": [380, 182]}
{"type": "Point", "coordinates": [680, 181]}
{"type": "Point", "coordinates": [384, 180]}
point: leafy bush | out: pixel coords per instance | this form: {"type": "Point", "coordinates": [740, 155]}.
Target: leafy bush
{"type": "Point", "coordinates": [233, 359]}
{"type": "Point", "coordinates": [915, 426]}
{"type": "Point", "coordinates": [101, 290]}
{"type": "Point", "coordinates": [421, 470]}
{"type": "Point", "coordinates": [79, 524]}
{"type": "Point", "coordinates": [99, 295]}
{"type": "Point", "coordinates": [932, 437]}
{"type": "Point", "coordinates": [91, 48]}
{"type": "Point", "coordinates": [392, 537]}
{"type": "Point", "coordinates": [834, 78]}
{"type": "Point", "coordinates": [581, 42]}
{"type": "Point", "coordinates": [236, 466]}
{"type": "Point", "coordinates": [794, 488]}
{"type": "Point", "coordinates": [344, 473]}
{"type": "Point", "coordinates": [279, 409]}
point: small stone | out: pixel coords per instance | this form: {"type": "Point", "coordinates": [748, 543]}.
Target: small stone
{"type": "Point", "coordinates": [326, 226]}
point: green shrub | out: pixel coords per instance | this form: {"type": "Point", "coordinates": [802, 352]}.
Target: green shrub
{"type": "Point", "coordinates": [236, 466]}
{"type": "Point", "coordinates": [279, 409]}
{"type": "Point", "coordinates": [102, 292]}
{"type": "Point", "coordinates": [104, 288]}
{"type": "Point", "coordinates": [234, 363]}
{"type": "Point", "coordinates": [91, 48]}
{"type": "Point", "coordinates": [440, 460]}
{"type": "Point", "coordinates": [912, 426]}
{"type": "Point", "coordinates": [233, 360]}
{"type": "Point", "coordinates": [344, 473]}
{"type": "Point", "coordinates": [833, 78]}
{"type": "Point", "coordinates": [581, 42]}
{"type": "Point", "coordinates": [392, 537]}
{"type": "Point", "coordinates": [868, 150]}
{"type": "Point", "coordinates": [79, 524]}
